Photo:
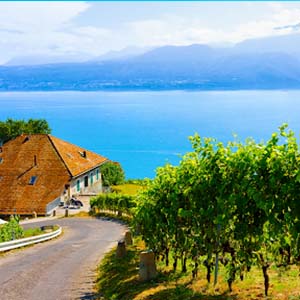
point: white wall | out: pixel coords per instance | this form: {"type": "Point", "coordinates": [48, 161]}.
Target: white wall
{"type": "Point", "coordinates": [95, 187]}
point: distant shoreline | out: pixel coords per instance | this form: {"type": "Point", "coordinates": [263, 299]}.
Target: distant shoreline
{"type": "Point", "coordinates": [147, 90]}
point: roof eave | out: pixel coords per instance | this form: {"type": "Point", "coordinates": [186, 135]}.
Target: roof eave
{"type": "Point", "coordinates": [90, 169]}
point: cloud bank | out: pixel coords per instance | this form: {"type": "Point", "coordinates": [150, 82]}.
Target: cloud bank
{"type": "Point", "coordinates": [51, 28]}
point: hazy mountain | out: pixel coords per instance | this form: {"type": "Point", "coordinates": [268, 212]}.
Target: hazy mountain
{"type": "Point", "coordinates": [163, 54]}
{"type": "Point", "coordinates": [125, 53]}
{"type": "Point", "coordinates": [39, 59]}
{"type": "Point", "coordinates": [289, 44]}
{"type": "Point", "coordinates": [170, 67]}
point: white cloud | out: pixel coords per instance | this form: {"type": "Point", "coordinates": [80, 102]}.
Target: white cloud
{"type": "Point", "coordinates": [38, 16]}
{"type": "Point", "coordinates": [261, 28]}
{"type": "Point", "coordinates": [181, 30]}
{"type": "Point", "coordinates": [51, 28]}
{"type": "Point", "coordinates": [28, 28]}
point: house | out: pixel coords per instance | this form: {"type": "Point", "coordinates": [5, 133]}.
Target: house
{"type": "Point", "coordinates": [39, 171]}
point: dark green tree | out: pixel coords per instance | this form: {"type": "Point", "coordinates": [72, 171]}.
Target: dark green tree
{"type": "Point", "coordinates": [37, 126]}
{"type": "Point", "coordinates": [11, 128]}
{"type": "Point", "coordinates": [112, 173]}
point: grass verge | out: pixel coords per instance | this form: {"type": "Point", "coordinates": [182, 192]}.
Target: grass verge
{"type": "Point", "coordinates": [32, 232]}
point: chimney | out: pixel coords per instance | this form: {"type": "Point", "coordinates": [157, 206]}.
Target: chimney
{"type": "Point", "coordinates": [26, 139]}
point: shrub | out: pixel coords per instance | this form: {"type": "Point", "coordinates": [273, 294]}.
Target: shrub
{"type": "Point", "coordinates": [11, 230]}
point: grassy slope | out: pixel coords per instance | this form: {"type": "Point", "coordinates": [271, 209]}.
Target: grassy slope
{"type": "Point", "coordinates": [118, 280]}
{"type": "Point", "coordinates": [127, 188]}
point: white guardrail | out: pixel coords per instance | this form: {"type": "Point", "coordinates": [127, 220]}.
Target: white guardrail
{"type": "Point", "coordinates": [30, 240]}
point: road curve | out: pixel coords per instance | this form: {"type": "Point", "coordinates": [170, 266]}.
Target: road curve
{"type": "Point", "coordinates": [60, 269]}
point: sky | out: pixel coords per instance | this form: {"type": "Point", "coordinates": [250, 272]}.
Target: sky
{"type": "Point", "coordinates": [82, 30]}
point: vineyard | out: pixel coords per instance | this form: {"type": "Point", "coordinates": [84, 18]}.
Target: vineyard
{"type": "Point", "coordinates": [236, 204]}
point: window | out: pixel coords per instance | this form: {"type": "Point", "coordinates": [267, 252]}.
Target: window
{"type": "Point", "coordinates": [97, 174]}
{"type": "Point", "coordinates": [78, 185]}
{"type": "Point", "coordinates": [32, 180]}
{"type": "Point", "coordinates": [86, 181]}
{"type": "Point", "coordinates": [1, 160]}
{"type": "Point", "coordinates": [92, 178]}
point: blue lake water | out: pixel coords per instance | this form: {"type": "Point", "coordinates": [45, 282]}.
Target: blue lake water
{"type": "Point", "coordinates": [144, 130]}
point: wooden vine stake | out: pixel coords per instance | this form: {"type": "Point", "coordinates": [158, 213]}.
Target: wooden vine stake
{"type": "Point", "coordinates": [217, 256]}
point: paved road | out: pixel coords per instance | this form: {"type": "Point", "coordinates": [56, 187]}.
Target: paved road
{"type": "Point", "coordinates": [61, 269]}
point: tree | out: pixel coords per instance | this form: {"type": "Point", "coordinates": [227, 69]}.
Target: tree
{"type": "Point", "coordinates": [112, 173]}
{"type": "Point", "coordinates": [37, 126]}
{"type": "Point", "coordinates": [11, 128]}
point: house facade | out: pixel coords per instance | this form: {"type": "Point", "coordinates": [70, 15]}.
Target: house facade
{"type": "Point", "coordinates": [39, 171]}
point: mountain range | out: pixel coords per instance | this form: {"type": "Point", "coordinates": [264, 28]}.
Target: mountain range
{"type": "Point", "coordinates": [266, 63]}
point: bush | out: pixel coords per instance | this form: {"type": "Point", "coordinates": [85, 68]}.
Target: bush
{"type": "Point", "coordinates": [11, 230]}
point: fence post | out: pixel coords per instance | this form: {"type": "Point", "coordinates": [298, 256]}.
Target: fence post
{"type": "Point", "coordinates": [128, 238]}
{"type": "Point", "coordinates": [121, 249]}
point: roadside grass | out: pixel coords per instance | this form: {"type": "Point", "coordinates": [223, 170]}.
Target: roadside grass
{"type": "Point", "coordinates": [118, 280]}
{"type": "Point", "coordinates": [32, 232]}
{"type": "Point", "coordinates": [38, 230]}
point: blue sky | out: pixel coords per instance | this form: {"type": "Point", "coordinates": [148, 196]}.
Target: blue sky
{"type": "Point", "coordinates": [88, 29]}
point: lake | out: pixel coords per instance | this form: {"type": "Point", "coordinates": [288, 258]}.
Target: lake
{"type": "Point", "coordinates": [144, 130]}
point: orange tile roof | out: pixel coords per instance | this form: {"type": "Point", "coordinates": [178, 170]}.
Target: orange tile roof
{"type": "Point", "coordinates": [52, 160]}
{"type": "Point", "coordinates": [77, 159]}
